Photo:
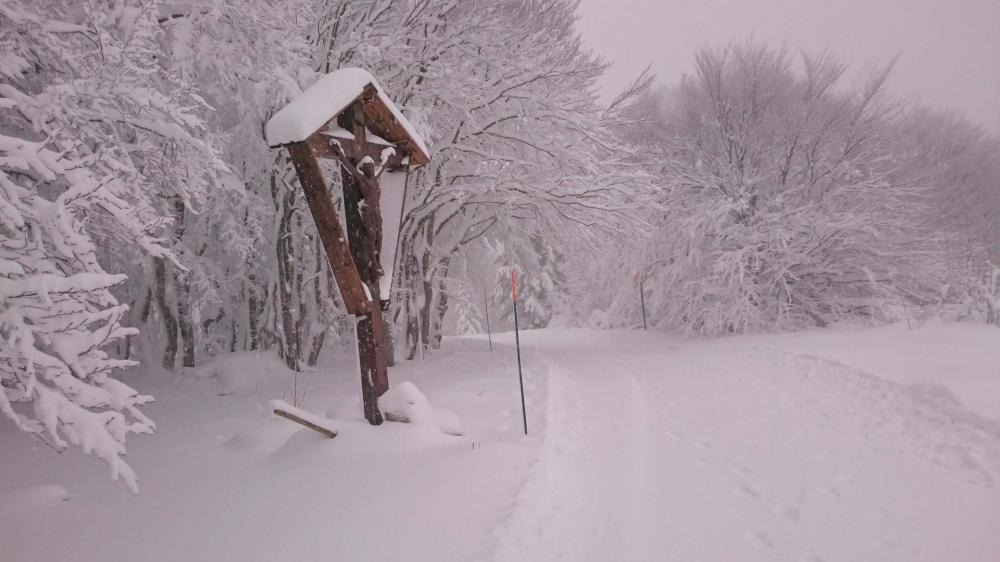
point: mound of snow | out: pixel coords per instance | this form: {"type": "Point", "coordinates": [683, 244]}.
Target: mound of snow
{"type": "Point", "coordinates": [33, 498]}
{"type": "Point", "coordinates": [350, 408]}
{"type": "Point", "coordinates": [448, 421]}
{"type": "Point", "coordinates": [405, 403]}
{"type": "Point", "coordinates": [266, 436]}
{"type": "Point", "coordinates": [244, 373]}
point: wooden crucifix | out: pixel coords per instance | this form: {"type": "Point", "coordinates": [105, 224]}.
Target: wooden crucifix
{"type": "Point", "coordinates": [346, 117]}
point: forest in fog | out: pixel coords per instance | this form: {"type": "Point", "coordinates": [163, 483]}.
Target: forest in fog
{"type": "Point", "coordinates": [145, 221]}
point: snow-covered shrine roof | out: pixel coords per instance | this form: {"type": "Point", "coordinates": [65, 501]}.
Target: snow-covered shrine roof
{"type": "Point", "coordinates": [331, 95]}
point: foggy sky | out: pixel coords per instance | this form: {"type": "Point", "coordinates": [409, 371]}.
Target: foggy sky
{"type": "Point", "coordinates": [949, 50]}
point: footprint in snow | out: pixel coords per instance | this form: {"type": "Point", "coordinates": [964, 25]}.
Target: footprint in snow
{"type": "Point", "coordinates": [876, 516]}
{"type": "Point", "coordinates": [843, 478]}
{"type": "Point", "coordinates": [745, 490]}
{"type": "Point", "coordinates": [786, 513]}
{"type": "Point", "coordinates": [831, 491]}
{"type": "Point", "coordinates": [758, 540]}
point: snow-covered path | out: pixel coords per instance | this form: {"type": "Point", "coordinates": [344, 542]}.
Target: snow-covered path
{"type": "Point", "coordinates": [719, 452]}
{"type": "Point", "coordinates": [642, 447]}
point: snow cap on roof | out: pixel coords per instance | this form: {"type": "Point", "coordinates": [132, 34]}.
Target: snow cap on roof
{"type": "Point", "coordinates": [329, 96]}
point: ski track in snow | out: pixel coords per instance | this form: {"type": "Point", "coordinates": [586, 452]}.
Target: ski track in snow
{"type": "Point", "coordinates": [722, 453]}
{"type": "Point", "coordinates": [591, 503]}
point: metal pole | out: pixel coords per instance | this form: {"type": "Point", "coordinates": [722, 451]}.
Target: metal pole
{"type": "Point", "coordinates": [489, 333]}
{"type": "Point", "coordinates": [517, 343]}
{"type": "Point", "coordinates": [642, 299]}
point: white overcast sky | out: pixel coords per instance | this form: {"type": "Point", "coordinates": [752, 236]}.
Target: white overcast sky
{"type": "Point", "coordinates": [949, 50]}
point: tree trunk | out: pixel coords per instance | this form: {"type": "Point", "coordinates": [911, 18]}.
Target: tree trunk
{"type": "Point", "coordinates": [302, 313]}
{"type": "Point", "coordinates": [412, 304]}
{"type": "Point", "coordinates": [390, 343]}
{"type": "Point", "coordinates": [169, 322]}
{"type": "Point", "coordinates": [285, 251]}
{"type": "Point", "coordinates": [184, 318]}
{"type": "Point", "coordinates": [425, 311]}
{"type": "Point", "coordinates": [319, 317]}
{"type": "Point", "coordinates": [182, 285]}
{"type": "Point", "coordinates": [317, 347]}
{"type": "Point", "coordinates": [253, 314]}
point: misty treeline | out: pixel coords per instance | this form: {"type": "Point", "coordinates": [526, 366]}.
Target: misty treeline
{"type": "Point", "coordinates": [789, 195]}
{"type": "Point", "coordinates": [144, 220]}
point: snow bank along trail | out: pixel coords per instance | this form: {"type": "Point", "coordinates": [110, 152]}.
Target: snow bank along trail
{"type": "Point", "coordinates": [716, 452]}
{"type": "Point", "coordinates": [224, 480]}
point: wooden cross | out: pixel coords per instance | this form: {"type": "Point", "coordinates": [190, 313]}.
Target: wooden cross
{"type": "Point", "coordinates": [354, 257]}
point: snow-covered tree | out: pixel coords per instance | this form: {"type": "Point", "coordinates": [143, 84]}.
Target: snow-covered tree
{"type": "Point", "coordinates": [520, 144]}
{"type": "Point", "coordinates": [521, 161]}
{"type": "Point", "coordinates": [961, 162]}
{"type": "Point", "coordinates": [788, 199]}
{"type": "Point", "coordinates": [91, 132]}
{"type": "Point", "coordinates": [540, 281]}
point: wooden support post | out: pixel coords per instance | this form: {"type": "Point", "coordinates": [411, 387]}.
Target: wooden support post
{"type": "Point", "coordinates": [328, 227]}
{"type": "Point", "coordinates": [354, 260]}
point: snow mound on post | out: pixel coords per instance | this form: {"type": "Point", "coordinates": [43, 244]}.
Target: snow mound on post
{"type": "Point", "coordinates": [325, 99]}
{"type": "Point", "coordinates": [405, 403]}
{"type": "Point", "coordinates": [317, 105]}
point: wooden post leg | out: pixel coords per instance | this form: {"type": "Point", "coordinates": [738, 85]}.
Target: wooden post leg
{"type": "Point", "coordinates": [328, 227]}
{"type": "Point", "coordinates": [371, 351]}
{"type": "Point", "coordinates": [368, 360]}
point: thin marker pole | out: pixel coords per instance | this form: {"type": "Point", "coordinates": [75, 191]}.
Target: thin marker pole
{"type": "Point", "coordinates": [642, 299]}
{"type": "Point", "coordinates": [517, 343]}
{"type": "Point", "coordinates": [489, 333]}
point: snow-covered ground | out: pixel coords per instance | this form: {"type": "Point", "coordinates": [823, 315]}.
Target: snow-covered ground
{"type": "Point", "coordinates": [749, 449]}
{"type": "Point", "coordinates": [838, 445]}
{"type": "Point", "coordinates": [221, 480]}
